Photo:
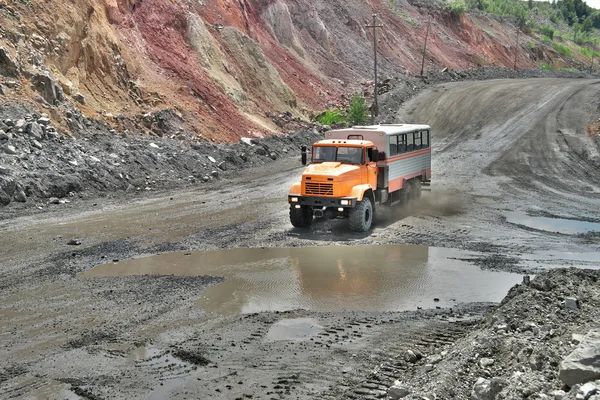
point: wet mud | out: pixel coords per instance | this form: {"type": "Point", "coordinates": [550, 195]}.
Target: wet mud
{"type": "Point", "coordinates": [173, 328]}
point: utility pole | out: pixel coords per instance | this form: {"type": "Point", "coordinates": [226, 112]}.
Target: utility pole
{"type": "Point", "coordinates": [592, 65]}
{"type": "Point", "coordinates": [516, 48]}
{"type": "Point", "coordinates": [375, 106]}
{"type": "Point", "coordinates": [425, 45]}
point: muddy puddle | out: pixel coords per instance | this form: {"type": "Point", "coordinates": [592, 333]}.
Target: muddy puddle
{"type": "Point", "coordinates": [333, 278]}
{"type": "Point", "coordinates": [560, 225]}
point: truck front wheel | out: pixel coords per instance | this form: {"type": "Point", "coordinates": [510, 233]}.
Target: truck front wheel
{"type": "Point", "coordinates": [301, 217]}
{"type": "Point", "coordinates": [361, 216]}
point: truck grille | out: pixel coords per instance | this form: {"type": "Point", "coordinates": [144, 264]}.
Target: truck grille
{"type": "Point", "coordinates": [322, 189]}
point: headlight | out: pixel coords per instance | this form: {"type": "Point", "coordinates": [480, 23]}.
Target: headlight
{"type": "Point", "coordinates": [294, 199]}
{"type": "Point", "coordinates": [345, 202]}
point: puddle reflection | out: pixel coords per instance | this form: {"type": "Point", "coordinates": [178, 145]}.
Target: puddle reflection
{"type": "Point", "coordinates": [560, 225]}
{"type": "Point", "coordinates": [333, 278]}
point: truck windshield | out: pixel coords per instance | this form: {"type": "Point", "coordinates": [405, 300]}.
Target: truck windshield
{"type": "Point", "coordinates": [349, 155]}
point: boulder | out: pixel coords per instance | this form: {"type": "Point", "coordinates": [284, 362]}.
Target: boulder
{"type": "Point", "coordinates": [8, 149]}
{"type": "Point", "coordinates": [481, 389]}
{"type": "Point", "coordinates": [79, 98]}
{"type": "Point", "coordinates": [588, 390]}
{"type": "Point", "coordinates": [44, 121]}
{"type": "Point", "coordinates": [485, 389]}
{"type": "Point", "coordinates": [397, 392]}
{"type": "Point", "coordinates": [20, 195]}
{"type": "Point", "coordinates": [34, 130]}
{"type": "Point", "coordinates": [583, 364]}
{"type": "Point", "coordinates": [5, 135]}
{"type": "Point", "coordinates": [48, 88]}
{"type": "Point", "coordinates": [36, 144]}
{"type": "Point", "coordinates": [572, 303]}
{"type": "Point", "coordinates": [4, 198]}
{"type": "Point", "coordinates": [2, 90]}
{"type": "Point", "coordinates": [410, 356]}
{"type": "Point", "coordinates": [8, 65]}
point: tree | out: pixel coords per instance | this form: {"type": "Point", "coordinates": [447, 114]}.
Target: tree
{"type": "Point", "coordinates": [358, 113]}
{"type": "Point", "coordinates": [588, 24]}
{"type": "Point", "coordinates": [577, 28]}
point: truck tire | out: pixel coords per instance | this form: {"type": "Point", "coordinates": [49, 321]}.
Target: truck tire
{"type": "Point", "coordinates": [361, 216]}
{"type": "Point", "coordinates": [301, 217]}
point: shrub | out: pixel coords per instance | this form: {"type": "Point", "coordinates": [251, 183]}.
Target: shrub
{"type": "Point", "coordinates": [546, 38]}
{"type": "Point", "coordinates": [457, 7]}
{"type": "Point", "coordinates": [547, 31]}
{"type": "Point", "coordinates": [330, 117]}
{"type": "Point", "coordinates": [562, 49]}
{"type": "Point", "coordinates": [358, 113]}
{"type": "Point", "coordinates": [546, 67]}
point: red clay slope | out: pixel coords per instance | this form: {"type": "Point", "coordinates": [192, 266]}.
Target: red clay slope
{"type": "Point", "coordinates": [225, 64]}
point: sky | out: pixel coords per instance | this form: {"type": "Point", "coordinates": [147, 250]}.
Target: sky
{"type": "Point", "coordinates": [593, 3]}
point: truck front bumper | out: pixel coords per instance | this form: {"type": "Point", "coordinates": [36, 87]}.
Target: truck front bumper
{"type": "Point", "coordinates": [316, 201]}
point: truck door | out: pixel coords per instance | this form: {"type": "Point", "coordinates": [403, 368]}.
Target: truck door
{"type": "Point", "coordinates": [372, 169]}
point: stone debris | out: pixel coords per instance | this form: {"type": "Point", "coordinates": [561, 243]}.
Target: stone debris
{"type": "Point", "coordinates": [582, 364]}
{"type": "Point", "coordinates": [397, 391]}
{"type": "Point", "coordinates": [572, 303]}
{"type": "Point", "coordinates": [486, 362]}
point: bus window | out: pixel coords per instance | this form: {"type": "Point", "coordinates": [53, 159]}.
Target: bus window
{"type": "Point", "coordinates": [425, 139]}
{"type": "Point", "coordinates": [418, 140]}
{"type": "Point", "coordinates": [355, 137]}
{"type": "Point", "coordinates": [393, 145]}
{"type": "Point", "coordinates": [410, 146]}
{"type": "Point", "coordinates": [402, 144]}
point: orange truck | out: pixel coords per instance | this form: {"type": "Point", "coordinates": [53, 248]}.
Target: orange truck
{"type": "Point", "coordinates": [354, 170]}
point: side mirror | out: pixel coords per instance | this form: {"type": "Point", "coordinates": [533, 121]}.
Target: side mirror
{"type": "Point", "coordinates": [375, 155]}
{"type": "Point", "coordinates": [381, 156]}
{"type": "Point", "coordinates": [304, 155]}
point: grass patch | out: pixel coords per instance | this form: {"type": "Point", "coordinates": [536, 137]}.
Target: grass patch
{"type": "Point", "coordinates": [330, 117]}
{"type": "Point", "coordinates": [546, 38]}
{"type": "Point", "coordinates": [569, 69]}
{"type": "Point", "coordinates": [562, 49]}
{"type": "Point", "coordinates": [546, 67]}
{"type": "Point", "coordinates": [588, 53]}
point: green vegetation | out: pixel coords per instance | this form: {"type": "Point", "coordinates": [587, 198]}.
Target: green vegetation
{"type": "Point", "coordinates": [546, 67]}
{"type": "Point", "coordinates": [562, 49]}
{"type": "Point", "coordinates": [547, 31]}
{"type": "Point", "coordinates": [569, 69]}
{"type": "Point", "coordinates": [330, 117]}
{"type": "Point", "coordinates": [588, 53]}
{"type": "Point", "coordinates": [358, 113]}
{"type": "Point", "coordinates": [546, 38]}
{"type": "Point", "coordinates": [458, 7]}
{"type": "Point", "coordinates": [514, 8]}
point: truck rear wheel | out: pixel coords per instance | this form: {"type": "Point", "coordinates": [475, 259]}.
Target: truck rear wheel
{"type": "Point", "coordinates": [361, 216]}
{"type": "Point", "coordinates": [301, 217]}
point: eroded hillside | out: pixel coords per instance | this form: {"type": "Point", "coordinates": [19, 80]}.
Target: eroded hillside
{"type": "Point", "coordinates": [223, 66]}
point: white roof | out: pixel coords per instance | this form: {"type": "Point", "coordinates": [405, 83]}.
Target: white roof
{"type": "Point", "coordinates": [388, 129]}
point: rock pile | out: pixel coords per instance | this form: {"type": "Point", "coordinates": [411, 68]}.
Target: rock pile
{"type": "Point", "coordinates": [90, 158]}
{"type": "Point", "coordinates": [535, 345]}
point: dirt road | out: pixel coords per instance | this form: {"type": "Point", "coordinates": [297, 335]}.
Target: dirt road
{"type": "Point", "coordinates": [499, 147]}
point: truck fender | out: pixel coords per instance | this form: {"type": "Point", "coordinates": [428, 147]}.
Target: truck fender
{"type": "Point", "coordinates": [358, 191]}
{"type": "Point", "coordinates": [296, 188]}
